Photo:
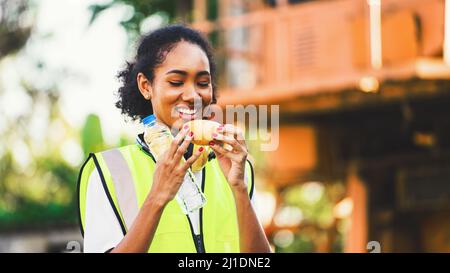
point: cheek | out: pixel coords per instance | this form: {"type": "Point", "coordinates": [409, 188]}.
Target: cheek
{"type": "Point", "coordinates": [207, 96]}
{"type": "Point", "coordinates": [163, 100]}
{"type": "Point", "coordinates": [166, 95]}
{"type": "Point", "coordinates": [170, 96]}
{"type": "Point", "coordinates": [167, 103]}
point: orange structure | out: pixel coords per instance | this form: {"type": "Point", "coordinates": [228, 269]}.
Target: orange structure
{"type": "Point", "coordinates": [362, 87]}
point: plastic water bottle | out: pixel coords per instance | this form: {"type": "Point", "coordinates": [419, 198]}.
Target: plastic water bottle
{"type": "Point", "coordinates": [158, 138]}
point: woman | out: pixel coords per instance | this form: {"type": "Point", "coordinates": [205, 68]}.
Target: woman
{"type": "Point", "coordinates": [127, 199]}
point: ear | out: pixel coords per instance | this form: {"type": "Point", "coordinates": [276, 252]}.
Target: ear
{"type": "Point", "coordinates": [145, 86]}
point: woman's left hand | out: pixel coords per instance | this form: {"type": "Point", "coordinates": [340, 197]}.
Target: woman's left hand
{"type": "Point", "coordinates": [231, 162]}
{"type": "Point", "coordinates": [252, 237]}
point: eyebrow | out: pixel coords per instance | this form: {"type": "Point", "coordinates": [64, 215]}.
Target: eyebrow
{"type": "Point", "coordinates": [203, 73]}
{"type": "Point", "coordinates": [184, 73]}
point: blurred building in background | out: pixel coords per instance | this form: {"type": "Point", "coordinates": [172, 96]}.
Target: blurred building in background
{"type": "Point", "coordinates": [363, 88]}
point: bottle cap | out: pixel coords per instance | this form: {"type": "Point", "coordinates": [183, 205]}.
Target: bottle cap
{"type": "Point", "coordinates": [148, 120]}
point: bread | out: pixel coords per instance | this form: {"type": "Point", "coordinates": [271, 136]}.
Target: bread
{"type": "Point", "coordinates": [203, 130]}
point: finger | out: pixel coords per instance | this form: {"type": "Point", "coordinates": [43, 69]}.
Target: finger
{"type": "Point", "coordinates": [231, 130]}
{"type": "Point", "coordinates": [218, 149]}
{"type": "Point", "coordinates": [188, 163]}
{"type": "Point", "coordinates": [182, 148]}
{"type": "Point", "coordinates": [178, 139]}
{"type": "Point", "coordinates": [235, 145]}
{"type": "Point", "coordinates": [221, 151]}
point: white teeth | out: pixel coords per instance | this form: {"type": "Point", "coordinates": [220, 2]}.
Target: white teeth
{"type": "Point", "coordinates": [187, 111]}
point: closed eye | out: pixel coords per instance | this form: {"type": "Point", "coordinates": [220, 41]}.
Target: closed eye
{"type": "Point", "coordinates": [174, 83]}
{"type": "Point", "coordinates": [203, 84]}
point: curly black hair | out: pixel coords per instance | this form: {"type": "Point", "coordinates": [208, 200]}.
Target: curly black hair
{"type": "Point", "coordinates": [152, 50]}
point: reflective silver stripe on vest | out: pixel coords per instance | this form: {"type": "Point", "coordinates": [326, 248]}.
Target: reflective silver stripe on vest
{"type": "Point", "coordinates": [123, 185]}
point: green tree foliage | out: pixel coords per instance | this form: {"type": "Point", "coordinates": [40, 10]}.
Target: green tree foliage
{"type": "Point", "coordinates": [13, 32]}
{"type": "Point", "coordinates": [91, 135]}
{"type": "Point", "coordinates": [172, 10]}
{"type": "Point", "coordinates": [37, 184]}
{"type": "Point", "coordinates": [37, 177]}
{"type": "Point", "coordinates": [141, 9]}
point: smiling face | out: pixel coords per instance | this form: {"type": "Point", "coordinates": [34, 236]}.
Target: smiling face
{"type": "Point", "coordinates": [181, 87]}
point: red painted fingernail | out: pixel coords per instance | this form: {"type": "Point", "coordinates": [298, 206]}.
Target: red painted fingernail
{"type": "Point", "coordinates": [186, 126]}
{"type": "Point", "coordinates": [200, 149]}
{"type": "Point", "coordinates": [191, 134]}
{"type": "Point", "coordinates": [212, 143]}
{"type": "Point", "coordinates": [220, 128]}
{"type": "Point", "coordinates": [214, 135]}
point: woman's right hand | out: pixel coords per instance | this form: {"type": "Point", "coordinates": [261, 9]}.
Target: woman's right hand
{"type": "Point", "coordinates": [170, 170]}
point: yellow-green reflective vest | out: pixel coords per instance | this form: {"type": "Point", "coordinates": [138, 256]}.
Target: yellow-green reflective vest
{"type": "Point", "coordinates": [127, 176]}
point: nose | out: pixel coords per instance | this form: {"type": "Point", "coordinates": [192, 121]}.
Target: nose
{"type": "Point", "coordinates": [190, 95]}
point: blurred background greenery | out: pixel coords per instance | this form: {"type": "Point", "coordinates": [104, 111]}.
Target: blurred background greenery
{"type": "Point", "coordinates": [41, 151]}
{"type": "Point", "coordinates": [38, 181]}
